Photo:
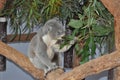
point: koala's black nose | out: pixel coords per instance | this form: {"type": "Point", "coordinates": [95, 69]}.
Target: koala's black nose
{"type": "Point", "coordinates": [68, 31]}
{"type": "Point", "coordinates": [63, 36]}
{"type": "Point", "coordinates": [60, 41]}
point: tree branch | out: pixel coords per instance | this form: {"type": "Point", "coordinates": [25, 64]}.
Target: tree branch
{"type": "Point", "coordinates": [95, 66]}
{"type": "Point", "coordinates": [20, 59]}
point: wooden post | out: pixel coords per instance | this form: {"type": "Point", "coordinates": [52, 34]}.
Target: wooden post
{"type": "Point", "coordinates": [68, 58]}
{"type": "Point", "coordinates": [117, 37]}
{"type": "Point", "coordinates": [3, 24]}
{"type": "Point", "coordinates": [2, 3]}
{"type": "Point", "coordinates": [68, 55]}
{"type": "Point", "coordinates": [114, 7]}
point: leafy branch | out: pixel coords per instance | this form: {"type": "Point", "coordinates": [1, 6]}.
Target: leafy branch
{"type": "Point", "coordinates": [26, 14]}
{"type": "Point", "coordinates": [94, 27]}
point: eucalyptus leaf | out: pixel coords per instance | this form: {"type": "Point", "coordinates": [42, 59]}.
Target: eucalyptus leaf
{"type": "Point", "coordinates": [75, 23]}
{"type": "Point", "coordinates": [92, 46]}
{"type": "Point", "coordinates": [100, 30]}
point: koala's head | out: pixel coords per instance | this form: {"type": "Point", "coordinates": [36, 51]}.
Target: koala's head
{"type": "Point", "coordinates": [55, 28]}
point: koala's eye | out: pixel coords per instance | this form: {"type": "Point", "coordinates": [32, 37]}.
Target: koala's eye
{"type": "Point", "coordinates": [59, 33]}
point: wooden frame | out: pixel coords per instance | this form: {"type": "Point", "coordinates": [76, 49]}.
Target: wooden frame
{"type": "Point", "coordinates": [95, 66]}
{"type": "Point", "coordinates": [20, 38]}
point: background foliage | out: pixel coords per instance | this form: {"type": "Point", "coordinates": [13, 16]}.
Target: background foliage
{"type": "Point", "coordinates": [94, 29]}
{"type": "Point", "coordinates": [26, 14]}
{"type": "Point", "coordinates": [90, 21]}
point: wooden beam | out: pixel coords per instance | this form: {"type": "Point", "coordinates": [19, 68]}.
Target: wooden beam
{"type": "Point", "coordinates": [3, 33]}
{"type": "Point", "coordinates": [19, 38]}
{"type": "Point", "coordinates": [114, 7]}
{"type": "Point", "coordinates": [117, 37]}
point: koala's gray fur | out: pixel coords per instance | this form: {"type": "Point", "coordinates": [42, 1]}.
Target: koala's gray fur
{"type": "Point", "coordinates": [44, 45]}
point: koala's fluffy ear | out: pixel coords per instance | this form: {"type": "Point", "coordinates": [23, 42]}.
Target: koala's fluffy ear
{"type": "Point", "coordinates": [56, 18]}
{"type": "Point", "coordinates": [47, 29]}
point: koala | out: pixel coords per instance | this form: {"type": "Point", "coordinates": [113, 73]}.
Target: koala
{"type": "Point", "coordinates": [44, 44]}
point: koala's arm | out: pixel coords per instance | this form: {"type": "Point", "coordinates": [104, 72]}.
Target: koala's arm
{"type": "Point", "coordinates": [41, 53]}
{"type": "Point", "coordinates": [57, 48]}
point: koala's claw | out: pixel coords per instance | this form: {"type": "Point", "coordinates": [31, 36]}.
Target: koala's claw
{"type": "Point", "coordinates": [46, 73]}
{"type": "Point", "coordinates": [57, 67]}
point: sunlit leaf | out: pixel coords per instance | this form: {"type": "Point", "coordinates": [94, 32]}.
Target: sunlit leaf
{"type": "Point", "coordinates": [75, 23]}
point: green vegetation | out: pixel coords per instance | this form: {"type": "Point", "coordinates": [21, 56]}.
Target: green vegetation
{"type": "Point", "coordinates": [94, 27]}
{"type": "Point", "coordinates": [91, 23]}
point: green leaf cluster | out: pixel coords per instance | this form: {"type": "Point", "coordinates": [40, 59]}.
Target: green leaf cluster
{"type": "Point", "coordinates": [23, 14]}
{"type": "Point", "coordinates": [26, 14]}
{"type": "Point", "coordinates": [94, 26]}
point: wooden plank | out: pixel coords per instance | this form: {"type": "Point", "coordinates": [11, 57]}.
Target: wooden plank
{"type": "Point", "coordinates": [114, 7]}
{"type": "Point", "coordinates": [20, 38]}
{"type": "Point", "coordinates": [3, 33]}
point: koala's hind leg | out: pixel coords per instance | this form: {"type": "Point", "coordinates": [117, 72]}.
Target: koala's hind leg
{"type": "Point", "coordinates": [35, 60]}
{"type": "Point", "coordinates": [37, 63]}
{"type": "Point", "coordinates": [46, 61]}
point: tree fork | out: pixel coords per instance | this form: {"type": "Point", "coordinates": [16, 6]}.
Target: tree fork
{"type": "Point", "coordinates": [102, 63]}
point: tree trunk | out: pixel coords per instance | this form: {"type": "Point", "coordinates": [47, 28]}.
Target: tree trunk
{"type": "Point", "coordinates": [117, 30]}
{"type": "Point", "coordinates": [3, 33]}
{"type": "Point", "coordinates": [114, 7]}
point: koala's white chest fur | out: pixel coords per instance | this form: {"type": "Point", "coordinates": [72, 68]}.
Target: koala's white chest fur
{"type": "Point", "coordinates": [49, 42]}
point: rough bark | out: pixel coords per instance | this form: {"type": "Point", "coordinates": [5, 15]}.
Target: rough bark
{"type": "Point", "coordinates": [54, 75]}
